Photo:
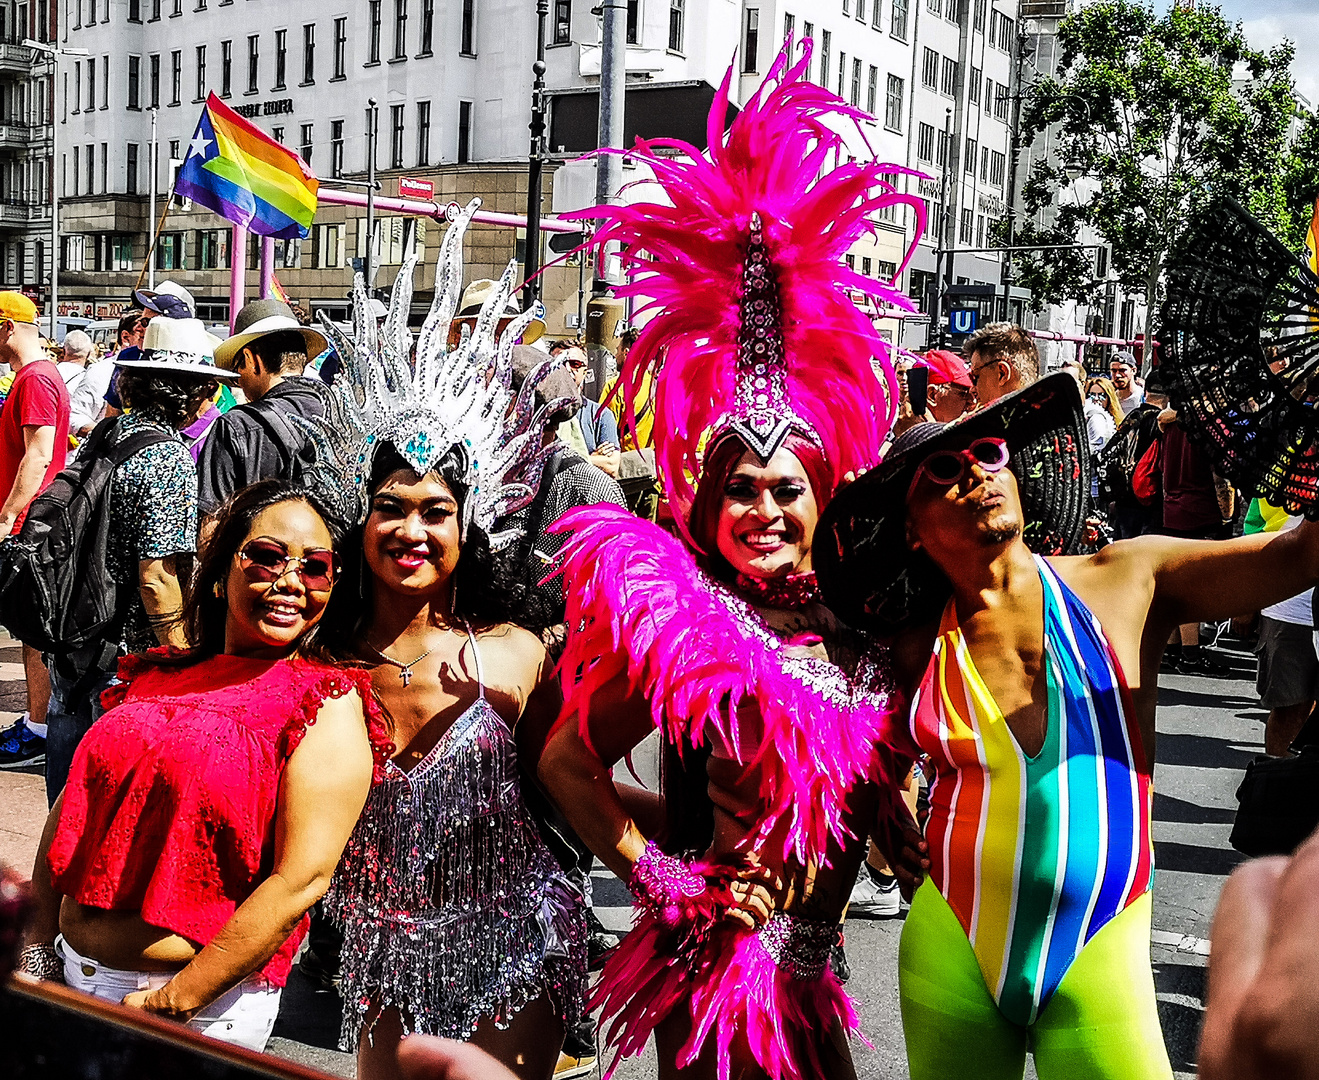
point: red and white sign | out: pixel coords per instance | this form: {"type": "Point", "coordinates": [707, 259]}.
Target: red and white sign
{"type": "Point", "coordinates": [409, 187]}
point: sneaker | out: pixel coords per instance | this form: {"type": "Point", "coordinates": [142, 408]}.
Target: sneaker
{"type": "Point", "coordinates": [323, 976]}
{"type": "Point", "coordinates": [20, 746]}
{"type": "Point", "coordinates": [570, 1066]}
{"type": "Point", "coordinates": [600, 943]}
{"type": "Point", "coordinates": [873, 899]}
{"type": "Point", "coordinates": [1199, 662]}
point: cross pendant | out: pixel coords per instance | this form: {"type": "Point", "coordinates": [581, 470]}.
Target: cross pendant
{"type": "Point", "coordinates": [406, 675]}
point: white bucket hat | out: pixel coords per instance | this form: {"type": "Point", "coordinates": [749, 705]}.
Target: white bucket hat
{"type": "Point", "coordinates": [178, 346]}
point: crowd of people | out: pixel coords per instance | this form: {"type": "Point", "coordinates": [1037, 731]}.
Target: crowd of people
{"type": "Point", "coordinates": [390, 608]}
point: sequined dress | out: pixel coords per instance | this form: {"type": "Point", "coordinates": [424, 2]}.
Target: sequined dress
{"type": "Point", "coordinates": [452, 907]}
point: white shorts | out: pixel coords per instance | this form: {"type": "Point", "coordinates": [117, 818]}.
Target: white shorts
{"type": "Point", "coordinates": [244, 1015]}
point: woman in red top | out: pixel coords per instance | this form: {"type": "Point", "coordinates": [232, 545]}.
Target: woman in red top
{"type": "Point", "coordinates": [206, 811]}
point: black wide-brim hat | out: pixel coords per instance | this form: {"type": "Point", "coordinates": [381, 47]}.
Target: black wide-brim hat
{"type": "Point", "coordinates": [868, 575]}
{"type": "Point", "coordinates": [1240, 333]}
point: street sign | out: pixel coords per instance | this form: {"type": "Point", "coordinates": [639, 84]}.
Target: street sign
{"type": "Point", "coordinates": [409, 187]}
{"type": "Point", "coordinates": [962, 320]}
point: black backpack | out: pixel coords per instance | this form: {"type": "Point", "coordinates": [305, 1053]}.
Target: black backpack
{"type": "Point", "coordinates": [1116, 462]}
{"type": "Point", "coordinates": [56, 592]}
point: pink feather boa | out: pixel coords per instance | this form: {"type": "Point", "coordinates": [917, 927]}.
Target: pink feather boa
{"type": "Point", "coordinates": [640, 605]}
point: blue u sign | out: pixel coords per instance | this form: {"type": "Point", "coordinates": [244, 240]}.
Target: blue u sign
{"type": "Point", "coordinates": [962, 320]}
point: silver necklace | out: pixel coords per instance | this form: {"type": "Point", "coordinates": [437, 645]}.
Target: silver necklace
{"type": "Point", "coordinates": [404, 670]}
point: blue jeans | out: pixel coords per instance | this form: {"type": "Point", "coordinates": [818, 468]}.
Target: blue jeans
{"type": "Point", "coordinates": [67, 722]}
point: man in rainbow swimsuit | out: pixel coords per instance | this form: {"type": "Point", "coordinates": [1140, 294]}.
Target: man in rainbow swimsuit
{"type": "Point", "coordinates": [1033, 685]}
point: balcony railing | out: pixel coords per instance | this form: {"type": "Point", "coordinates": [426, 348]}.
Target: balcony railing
{"type": "Point", "coordinates": [15, 59]}
{"type": "Point", "coordinates": [18, 136]}
{"type": "Point", "coordinates": [16, 213]}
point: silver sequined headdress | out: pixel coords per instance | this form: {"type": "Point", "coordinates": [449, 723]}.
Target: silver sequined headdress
{"type": "Point", "coordinates": [441, 399]}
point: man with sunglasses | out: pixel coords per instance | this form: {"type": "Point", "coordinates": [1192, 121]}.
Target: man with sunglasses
{"type": "Point", "coordinates": [1033, 677]}
{"type": "Point", "coordinates": [1002, 359]}
{"type": "Point", "coordinates": [593, 432]}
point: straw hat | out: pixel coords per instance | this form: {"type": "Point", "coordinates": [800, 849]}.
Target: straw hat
{"type": "Point", "coordinates": [475, 296]}
{"type": "Point", "coordinates": [178, 347]}
{"type": "Point", "coordinates": [261, 318]}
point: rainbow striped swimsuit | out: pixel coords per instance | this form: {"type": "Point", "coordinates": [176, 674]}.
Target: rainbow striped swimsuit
{"type": "Point", "coordinates": [1034, 855]}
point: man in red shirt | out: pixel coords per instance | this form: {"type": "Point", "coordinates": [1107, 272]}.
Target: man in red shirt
{"type": "Point", "coordinates": [34, 425]}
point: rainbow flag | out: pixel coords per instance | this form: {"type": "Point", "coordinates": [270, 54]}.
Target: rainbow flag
{"type": "Point", "coordinates": [240, 172]}
{"type": "Point", "coordinates": [277, 290]}
{"type": "Point", "coordinates": [1312, 239]}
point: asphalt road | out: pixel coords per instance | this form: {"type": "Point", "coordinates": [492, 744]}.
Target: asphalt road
{"type": "Point", "coordinates": [1208, 730]}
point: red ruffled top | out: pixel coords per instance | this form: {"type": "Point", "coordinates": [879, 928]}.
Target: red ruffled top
{"type": "Point", "coordinates": [170, 804]}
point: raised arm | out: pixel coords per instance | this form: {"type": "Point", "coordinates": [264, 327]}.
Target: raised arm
{"type": "Point", "coordinates": [323, 791]}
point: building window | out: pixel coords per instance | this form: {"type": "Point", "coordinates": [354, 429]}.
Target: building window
{"type": "Point", "coordinates": [135, 11]}
{"type": "Point", "coordinates": [925, 142]}
{"type": "Point", "coordinates": [226, 68]}
{"type": "Point", "coordinates": [978, 22]}
{"type": "Point", "coordinates": [423, 133]}
{"type": "Point", "coordinates": [77, 87]}
{"type": "Point", "coordinates": [948, 83]}
{"type": "Point", "coordinates": [930, 69]}
{"type": "Point", "coordinates": [175, 76]}
{"type": "Point", "coordinates": [201, 72]}
{"type": "Point", "coordinates": [861, 10]}
{"type": "Point", "coordinates": [281, 57]}
{"type": "Point", "coordinates": [789, 25]}
{"type": "Point", "coordinates": [875, 18]}
{"type": "Point", "coordinates": [91, 85]}
{"type": "Point", "coordinates": [134, 82]}
{"type": "Point", "coordinates": [973, 87]}
{"type": "Point", "coordinates": [1001, 104]}
{"type": "Point", "coordinates": [966, 226]}
{"type": "Point", "coordinates": [210, 249]}
{"type": "Point", "coordinates": [464, 132]}
{"type": "Point", "coordinates": [277, 133]}
{"type": "Point", "coordinates": [898, 23]}
{"type": "Point", "coordinates": [329, 246]}
{"type": "Point", "coordinates": [847, 7]}
{"type": "Point", "coordinates": [893, 103]}
{"type": "Point", "coordinates": [253, 61]}
{"type": "Point", "coordinates": [72, 252]}
{"type": "Point", "coordinates": [633, 21]}
{"type": "Point", "coordinates": [178, 9]}
{"type": "Point", "coordinates": [427, 27]}
{"type": "Point", "coordinates": [373, 32]}
{"type": "Point", "coordinates": [855, 99]}
{"type": "Point", "coordinates": [989, 96]}
{"type": "Point", "coordinates": [308, 54]}
{"type": "Point", "coordinates": [751, 40]}
{"type": "Point", "coordinates": [396, 136]}
{"type": "Point", "coordinates": [171, 251]}
{"type": "Point", "coordinates": [872, 90]}
{"type": "Point", "coordinates": [677, 24]}
{"type": "Point", "coordinates": [935, 6]}
{"type": "Point", "coordinates": [341, 48]}
{"type": "Point", "coordinates": [865, 265]}
{"type": "Point", "coordinates": [154, 79]}
{"type": "Point", "coordinates": [941, 155]}
{"type": "Point", "coordinates": [997, 168]}
{"type": "Point", "coordinates": [155, 10]}
{"type": "Point", "coordinates": [826, 39]}
{"type": "Point", "coordinates": [336, 148]}
{"type": "Point", "coordinates": [304, 142]}
{"type": "Point", "coordinates": [467, 47]}
{"type": "Point", "coordinates": [105, 167]}
{"type": "Point", "coordinates": [562, 31]}
{"type": "Point", "coordinates": [842, 71]}
{"type": "Point", "coordinates": [980, 230]}
{"type": "Point", "coordinates": [105, 82]}
{"type": "Point", "coordinates": [885, 270]}
{"type": "Point", "coordinates": [130, 180]}
{"type": "Point", "coordinates": [400, 29]}
{"type": "Point", "coordinates": [969, 162]}
{"type": "Point", "coordinates": [890, 212]}
{"type": "Point", "coordinates": [984, 164]}
{"type": "Point", "coordinates": [77, 170]}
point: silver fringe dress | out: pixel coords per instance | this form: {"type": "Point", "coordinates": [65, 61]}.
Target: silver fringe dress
{"type": "Point", "coordinates": [452, 907]}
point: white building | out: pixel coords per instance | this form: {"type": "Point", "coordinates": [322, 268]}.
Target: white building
{"type": "Point", "coordinates": [452, 79]}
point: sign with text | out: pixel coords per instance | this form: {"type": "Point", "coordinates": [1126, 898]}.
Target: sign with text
{"type": "Point", "coordinates": [410, 187]}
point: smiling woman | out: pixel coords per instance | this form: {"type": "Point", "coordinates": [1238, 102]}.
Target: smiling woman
{"type": "Point", "coordinates": [205, 812]}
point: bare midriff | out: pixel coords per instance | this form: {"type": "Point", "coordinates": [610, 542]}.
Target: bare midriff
{"type": "Point", "coordinates": [123, 939]}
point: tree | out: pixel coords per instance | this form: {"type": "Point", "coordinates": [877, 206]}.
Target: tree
{"type": "Point", "coordinates": [1300, 181]}
{"type": "Point", "coordinates": [1146, 111]}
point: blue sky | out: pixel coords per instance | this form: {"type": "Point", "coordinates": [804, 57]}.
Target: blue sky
{"type": "Point", "coordinates": [1267, 22]}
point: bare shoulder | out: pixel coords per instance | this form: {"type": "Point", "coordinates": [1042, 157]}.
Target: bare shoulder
{"type": "Point", "coordinates": [513, 656]}
{"type": "Point", "coordinates": [1137, 557]}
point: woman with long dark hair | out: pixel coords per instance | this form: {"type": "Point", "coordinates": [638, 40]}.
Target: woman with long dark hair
{"type": "Point", "coordinates": [206, 810]}
{"type": "Point", "coordinates": [457, 920]}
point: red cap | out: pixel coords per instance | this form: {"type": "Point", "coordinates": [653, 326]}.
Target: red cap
{"type": "Point", "coordinates": [947, 367]}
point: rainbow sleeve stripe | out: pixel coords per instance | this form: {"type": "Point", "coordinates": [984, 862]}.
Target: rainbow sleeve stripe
{"type": "Point", "coordinates": [1312, 240]}
{"type": "Point", "coordinates": [240, 172]}
{"type": "Point", "coordinates": [1035, 854]}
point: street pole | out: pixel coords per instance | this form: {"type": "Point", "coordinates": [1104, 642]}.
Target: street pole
{"type": "Point", "coordinates": [53, 53]}
{"type": "Point", "coordinates": [940, 286]}
{"type": "Point", "coordinates": [604, 314]}
{"type": "Point", "coordinates": [1014, 151]}
{"type": "Point", "coordinates": [368, 270]}
{"type": "Point", "coordinates": [535, 166]}
{"type": "Point", "coordinates": [151, 217]}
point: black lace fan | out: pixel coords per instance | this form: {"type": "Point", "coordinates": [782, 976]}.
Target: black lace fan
{"type": "Point", "coordinates": [1240, 329]}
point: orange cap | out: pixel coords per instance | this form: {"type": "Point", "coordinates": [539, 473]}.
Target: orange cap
{"type": "Point", "coordinates": [15, 307]}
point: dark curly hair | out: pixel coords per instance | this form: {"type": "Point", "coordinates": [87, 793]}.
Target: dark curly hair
{"type": "Point", "coordinates": [169, 399]}
{"type": "Point", "coordinates": [204, 611]}
{"type": "Point", "coordinates": [488, 587]}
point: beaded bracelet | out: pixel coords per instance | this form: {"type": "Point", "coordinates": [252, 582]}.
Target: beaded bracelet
{"type": "Point", "coordinates": [41, 961]}
{"type": "Point", "coordinates": [664, 885]}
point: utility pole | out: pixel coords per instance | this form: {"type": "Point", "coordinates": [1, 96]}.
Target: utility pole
{"type": "Point", "coordinates": [151, 214]}
{"type": "Point", "coordinates": [536, 164]}
{"type": "Point", "coordinates": [368, 269]}
{"type": "Point", "coordinates": [1014, 152]}
{"type": "Point", "coordinates": [604, 314]}
{"type": "Point", "coordinates": [940, 286]}
{"type": "Point", "coordinates": [53, 52]}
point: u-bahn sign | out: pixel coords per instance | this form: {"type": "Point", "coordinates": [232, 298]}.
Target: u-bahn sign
{"type": "Point", "coordinates": [962, 320]}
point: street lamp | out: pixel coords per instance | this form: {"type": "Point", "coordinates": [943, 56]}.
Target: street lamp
{"type": "Point", "coordinates": [53, 53]}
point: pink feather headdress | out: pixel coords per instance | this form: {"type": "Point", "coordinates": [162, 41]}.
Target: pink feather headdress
{"type": "Point", "coordinates": [752, 330]}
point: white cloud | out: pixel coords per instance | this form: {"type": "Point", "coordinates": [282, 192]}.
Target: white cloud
{"type": "Point", "coordinates": [1302, 29]}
